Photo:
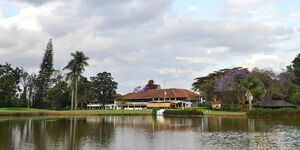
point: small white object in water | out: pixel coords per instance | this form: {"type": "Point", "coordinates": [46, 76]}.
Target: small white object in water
{"type": "Point", "coordinates": [160, 112]}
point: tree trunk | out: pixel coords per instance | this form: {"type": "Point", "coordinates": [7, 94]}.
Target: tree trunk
{"type": "Point", "coordinates": [72, 97]}
{"type": "Point", "coordinates": [250, 100]}
{"type": "Point", "coordinates": [76, 97]}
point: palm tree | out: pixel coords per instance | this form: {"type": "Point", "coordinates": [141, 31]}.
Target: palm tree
{"type": "Point", "coordinates": [76, 67]}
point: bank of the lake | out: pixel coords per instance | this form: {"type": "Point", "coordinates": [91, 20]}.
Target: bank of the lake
{"type": "Point", "coordinates": [44, 112]}
{"type": "Point", "coordinates": [271, 113]}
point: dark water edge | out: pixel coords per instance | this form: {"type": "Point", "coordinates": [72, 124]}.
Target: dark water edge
{"type": "Point", "coordinates": [147, 133]}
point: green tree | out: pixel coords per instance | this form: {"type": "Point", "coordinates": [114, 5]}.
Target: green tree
{"type": "Point", "coordinates": [206, 85]}
{"type": "Point", "coordinates": [84, 92]}
{"type": "Point", "coordinates": [122, 101]}
{"type": "Point", "coordinates": [103, 87]}
{"type": "Point", "coordinates": [294, 95]}
{"type": "Point", "coordinates": [269, 80]}
{"type": "Point", "coordinates": [44, 76]}
{"type": "Point", "coordinates": [76, 67]}
{"type": "Point", "coordinates": [254, 89]}
{"type": "Point", "coordinates": [295, 68]}
{"type": "Point", "coordinates": [9, 80]}
{"type": "Point", "coordinates": [59, 95]}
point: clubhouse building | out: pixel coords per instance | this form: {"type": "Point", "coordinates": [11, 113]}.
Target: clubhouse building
{"type": "Point", "coordinates": [161, 98]}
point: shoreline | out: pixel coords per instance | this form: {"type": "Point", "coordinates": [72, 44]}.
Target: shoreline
{"type": "Point", "coordinates": [70, 114]}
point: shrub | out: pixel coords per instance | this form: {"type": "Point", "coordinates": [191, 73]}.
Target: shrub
{"type": "Point", "coordinates": [154, 110]}
{"type": "Point", "coordinates": [182, 112]}
{"type": "Point", "coordinates": [273, 112]}
{"type": "Point", "coordinates": [190, 108]}
{"type": "Point", "coordinates": [230, 108]}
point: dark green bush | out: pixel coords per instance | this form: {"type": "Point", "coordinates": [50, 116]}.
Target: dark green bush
{"type": "Point", "coordinates": [230, 108]}
{"type": "Point", "coordinates": [182, 112]}
{"type": "Point", "coordinates": [189, 108]}
{"type": "Point", "coordinates": [154, 110]}
{"type": "Point", "coordinates": [273, 112]}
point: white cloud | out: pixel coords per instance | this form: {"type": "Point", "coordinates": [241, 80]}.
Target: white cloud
{"type": "Point", "coordinates": [135, 40]}
{"type": "Point", "coordinates": [265, 61]}
{"type": "Point", "coordinates": [193, 9]}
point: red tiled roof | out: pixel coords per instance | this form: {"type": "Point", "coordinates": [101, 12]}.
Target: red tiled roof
{"type": "Point", "coordinates": [170, 93]}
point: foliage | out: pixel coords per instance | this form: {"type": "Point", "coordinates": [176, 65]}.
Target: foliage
{"type": "Point", "coordinates": [295, 68]}
{"type": "Point", "coordinates": [59, 96]}
{"type": "Point", "coordinates": [122, 101]}
{"type": "Point", "coordinates": [294, 95]}
{"type": "Point", "coordinates": [253, 87]}
{"type": "Point", "coordinates": [84, 92]}
{"type": "Point", "coordinates": [103, 87]}
{"type": "Point", "coordinates": [76, 67]}
{"type": "Point", "coordinates": [273, 112]}
{"type": "Point", "coordinates": [231, 108]}
{"type": "Point", "coordinates": [154, 110]}
{"type": "Point", "coordinates": [269, 80]}
{"type": "Point", "coordinates": [9, 80]}
{"type": "Point", "coordinates": [227, 82]}
{"type": "Point", "coordinates": [182, 112]}
{"type": "Point", "coordinates": [206, 85]}
{"type": "Point", "coordinates": [150, 85]}
{"type": "Point", "coordinates": [43, 79]}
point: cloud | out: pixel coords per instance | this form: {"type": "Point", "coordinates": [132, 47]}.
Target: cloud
{"type": "Point", "coordinates": [265, 61]}
{"type": "Point", "coordinates": [193, 9]}
{"type": "Point", "coordinates": [135, 40]}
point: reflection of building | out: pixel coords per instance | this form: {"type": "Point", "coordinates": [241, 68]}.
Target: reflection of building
{"type": "Point", "coordinates": [163, 98]}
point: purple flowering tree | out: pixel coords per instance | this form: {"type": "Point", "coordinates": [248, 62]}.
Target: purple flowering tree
{"type": "Point", "coordinates": [231, 82]}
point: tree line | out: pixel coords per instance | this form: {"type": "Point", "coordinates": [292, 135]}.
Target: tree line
{"type": "Point", "coordinates": [241, 86]}
{"type": "Point", "coordinates": [53, 88]}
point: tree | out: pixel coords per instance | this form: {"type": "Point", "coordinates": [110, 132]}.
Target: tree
{"type": "Point", "coordinates": [285, 80]}
{"type": "Point", "coordinates": [122, 101]}
{"type": "Point", "coordinates": [76, 67]}
{"type": "Point", "coordinates": [294, 95]}
{"type": "Point", "coordinates": [206, 85]}
{"type": "Point", "coordinates": [59, 95]}
{"type": "Point", "coordinates": [230, 82]}
{"type": "Point", "coordinates": [84, 92]}
{"type": "Point", "coordinates": [43, 79]}
{"type": "Point", "coordinates": [269, 80]}
{"type": "Point", "coordinates": [295, 68]}
{"type": "Point", "coordinates": [253, 88]}
{"type": "Point", "coordinates": [103, 87]}
{"type": "Point", "coordinates": [9, 80]}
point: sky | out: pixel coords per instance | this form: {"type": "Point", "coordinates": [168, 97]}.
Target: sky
{"type": "Point", "coordinates": [165, 40]}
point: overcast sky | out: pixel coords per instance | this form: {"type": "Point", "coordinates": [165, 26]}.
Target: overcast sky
{"type": "Point", "coordinates": [138, 40]}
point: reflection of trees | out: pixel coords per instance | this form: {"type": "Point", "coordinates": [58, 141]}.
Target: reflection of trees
{"type": "Point", "coordinates": [98, 132]}
{"type": "Point", "coordinates": [55, 134]}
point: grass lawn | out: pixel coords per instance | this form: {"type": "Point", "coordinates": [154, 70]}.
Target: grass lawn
{"type": "Point", "coordinates": [31, 110]}
{"type": "Point", "coordinates": [214, 112]}
{"type": "Point", "coordinates": [108, 112]}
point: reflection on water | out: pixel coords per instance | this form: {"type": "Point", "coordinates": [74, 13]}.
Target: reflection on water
{"type": "Point", "coordinates": [147, 132]}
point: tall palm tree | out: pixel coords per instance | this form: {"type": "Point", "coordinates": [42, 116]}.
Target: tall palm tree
{"type": "Point", "coordinates": [76, 67]}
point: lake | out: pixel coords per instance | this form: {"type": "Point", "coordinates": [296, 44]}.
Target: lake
{"type": "Point", "coordinates": [147, 133]}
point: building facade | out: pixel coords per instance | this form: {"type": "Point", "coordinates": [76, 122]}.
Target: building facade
{"type": "Point", "coordinates": [162, 98]}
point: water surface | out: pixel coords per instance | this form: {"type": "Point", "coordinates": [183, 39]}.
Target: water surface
{"type": "Point", "coordinates": [147, 133]}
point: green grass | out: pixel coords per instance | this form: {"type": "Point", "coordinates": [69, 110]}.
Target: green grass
{"type": "Point", "coordinates": [113, 112]}
{"type": "Point", "coordinates": [214, 112]}
{"type": "Point", "coordinates": [23, 110]}
{"type": "Point", "coordinates": [30, 110]}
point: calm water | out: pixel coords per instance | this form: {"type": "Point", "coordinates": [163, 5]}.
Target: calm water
{"type": "Point", "coordinates": [147, 133]}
